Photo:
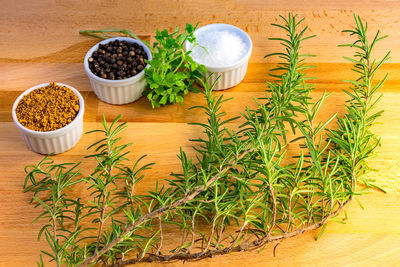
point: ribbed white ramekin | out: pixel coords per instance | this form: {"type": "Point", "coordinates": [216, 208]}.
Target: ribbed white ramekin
{"type": "Point", "coordinates": [228, 79]}
{"type": "Point", "coordinates": [230, 75]}
{"type": "Point", "coordinates": [56, 141]}
{"type": "Point", "coordinates": [117, 92]}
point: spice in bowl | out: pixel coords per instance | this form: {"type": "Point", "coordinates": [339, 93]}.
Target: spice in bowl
{"type": "Point", "coordinates": [48, 108]}
{"type": "Point", "coordinates": [117, 60]}
{"type": "Point", "coordinates": [219, 48]}
{"type": "Point", "coordinates": [225, 52]}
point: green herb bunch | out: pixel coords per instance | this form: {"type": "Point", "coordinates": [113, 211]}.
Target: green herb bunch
{"type": "Point", "coordinates": [172, 72]}
{"type": "Point", "coordinates": [50, 184]}
{"type": "Point", "coordinates": [76, 229]}
{"type": "Point", "coordinates": [244, 189]}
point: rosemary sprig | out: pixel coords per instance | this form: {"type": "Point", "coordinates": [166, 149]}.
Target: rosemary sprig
{"type": "Point", "coordinates": [243, 190]}
{"type": "Point", "coordinates": [110, 32]}
{"type": "Point", "coordinates": [353, 137]}
{"type": "Point", "coordinates": [50, 183]}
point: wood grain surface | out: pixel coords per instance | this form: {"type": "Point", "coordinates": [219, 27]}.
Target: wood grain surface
{"type": "Point", "coordinates": [40, 43]}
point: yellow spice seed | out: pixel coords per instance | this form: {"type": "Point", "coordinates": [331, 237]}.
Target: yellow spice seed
{"type": "Point", "coordinates": [48, 108]}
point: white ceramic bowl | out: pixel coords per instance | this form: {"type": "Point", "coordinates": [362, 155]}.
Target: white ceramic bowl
{"type": "Point", "coordinates": [56, 141]}
{"type": "Point", "coordinates": [117, 91]}
{"type": "Point", "coordinates": [230, 75]}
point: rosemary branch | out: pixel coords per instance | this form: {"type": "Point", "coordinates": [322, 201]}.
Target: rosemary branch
{"type": "Point", "coordinates": [240, 183]}
{"type": "Point", "coordinates": [160, 211]}
{"type": "Point", "coordinates": [239, 248]}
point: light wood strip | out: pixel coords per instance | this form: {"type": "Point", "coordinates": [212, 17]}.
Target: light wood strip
{"type": "Point", "coordinates": [21, 76]}
{"type": "Point", "coordinates": [19, 22]}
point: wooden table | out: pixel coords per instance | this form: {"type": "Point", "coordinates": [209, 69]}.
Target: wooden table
{"type": "Point", "coordinates": [40, 43]}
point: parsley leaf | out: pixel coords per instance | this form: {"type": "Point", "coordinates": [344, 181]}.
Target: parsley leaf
{"type": "Point", "coordinates": [172, 72]}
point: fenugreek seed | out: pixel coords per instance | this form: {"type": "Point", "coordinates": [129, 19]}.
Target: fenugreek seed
{"type": "Point", "coordinates": [48, 108]}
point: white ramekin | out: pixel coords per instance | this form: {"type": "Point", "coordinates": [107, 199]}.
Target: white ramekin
{"type": "Point", "coordinates": [117, 92]}
{"type": "Point", "coordinates": [56, 141]}
{"type": "Point", "coordinates": [230, 75]}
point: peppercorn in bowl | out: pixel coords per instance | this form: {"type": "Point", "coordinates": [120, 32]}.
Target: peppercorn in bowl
{"type": "Point", "coordinates": [49, 117]}
{"type": "Point", "coordinates": [115, 68]}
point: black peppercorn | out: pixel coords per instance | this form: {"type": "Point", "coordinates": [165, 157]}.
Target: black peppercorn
{"type": "Point", "coordinates": [117, 60]}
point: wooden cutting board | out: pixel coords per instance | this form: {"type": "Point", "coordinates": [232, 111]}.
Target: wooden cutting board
{"type": "Point", "coordinates": [40, 43]}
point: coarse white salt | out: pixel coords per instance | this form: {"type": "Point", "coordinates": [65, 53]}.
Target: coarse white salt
{"type": "Point", "coordinates": [221, 48]}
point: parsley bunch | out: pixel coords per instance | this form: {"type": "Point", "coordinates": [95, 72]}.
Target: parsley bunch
{"type": "Point", "coordinates": [172, 71]}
